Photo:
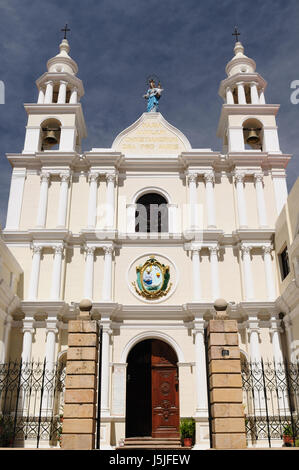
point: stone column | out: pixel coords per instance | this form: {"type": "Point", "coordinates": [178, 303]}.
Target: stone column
{"type": "Point", "coordinates": [275, 332]}
{"type": "Point", "coordinates": [271, 292]}
{"type": "Point", "coordinates": [107, 283]}
{"type": "Point", "coordinates": [34, 277]}
{"type": "Point", "coordinates": [254, 93]}
{"type": "Point", "coordinates": [49, 92]}
{"type": "Point", "coordinates": [290, 337]}
{"type": "Point", "coordinates": [105, 407]}
{"type": "Point", "coordinates": [62, 92]}
{"type": "Point", "coordinates": [193, 209]}
{"type": "Point", "coordinates": [280, 188]}
{"type": "Point", "coordinates": [241, 93]}
{"type": "Point", "coordinates": [41, 96]}
{"type": "Point", "coordinates": [56, 273]}
{"type": "Point", "coordinates": [242, 213]}
{"type": "Point", "coordinates": [78, 430]}
{"type": "Point", "coordinates": [254, 342]}
{"type": "Point", "coordinates": [197, 295]}
{"type": "Point", "coordinates": [51, 332]}
{"type": "Point", "coordinates": [226, 395]}
{"type": "Point", "coordinates": [229, 96]}
{"type": "Point", "coordinates": [28, 331]}
{"type": "Point", "coordinates": [262, 97]}
{"type": "Point", "coordinates": [209, 180]}
{"type": "Point", "coordinates": [89, 271]}
{"type": "Point", "coordinates": [214, 272]}
{"type": "Point", "coordinates": [248, 279]}
{"type": "Point", "coordinates": [63, 198]}
{"type": "Point", "coordinates": [43, 200]}
{"type": "Point", "coordinates": [201, 373]}
{"type": "Point", "coordinates": [92, 201]}
{"type": "Point", "coordinates": [74, 95]}
{"type": "Point", "coordinates": [5, 338]}
{"type": "Point", "coordinates": [110, 177]}
{"type": "Point", "coordinates": [261, 206]}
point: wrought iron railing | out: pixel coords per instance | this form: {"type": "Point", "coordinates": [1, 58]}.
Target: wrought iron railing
{"type": "Point", "coordinates": [271, 403]}
{"type": "Point", "coordinates": [31, 403]}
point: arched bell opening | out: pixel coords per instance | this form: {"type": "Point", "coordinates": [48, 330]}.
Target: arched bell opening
{"type": "Point", "coordinates": [253, 134]}
{"type": "Point", "coordinates": [50, 134]}
{"type": "Point", "coordinates": [151, 213]}
{"type": "Point", "coordinates": [152, 395]}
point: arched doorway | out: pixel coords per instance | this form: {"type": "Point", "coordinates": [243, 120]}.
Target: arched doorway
{"type": "Point", "coordinates": [152, 400]}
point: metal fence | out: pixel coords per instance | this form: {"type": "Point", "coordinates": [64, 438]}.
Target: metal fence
{"type": "Point", "coordinates": [31, 403]}
{"type": "Point", "coordinates": [271, 403]}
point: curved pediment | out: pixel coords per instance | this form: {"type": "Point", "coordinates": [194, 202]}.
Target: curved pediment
{"type": "Point", "coordinates": [151, 134]}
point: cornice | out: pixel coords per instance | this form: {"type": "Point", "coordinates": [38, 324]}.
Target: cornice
{"type": "Point", "coordinates": [241, 77]}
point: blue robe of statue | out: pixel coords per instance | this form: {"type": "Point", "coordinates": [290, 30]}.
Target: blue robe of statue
{"type": "Point", "coordinates": [152, 99]}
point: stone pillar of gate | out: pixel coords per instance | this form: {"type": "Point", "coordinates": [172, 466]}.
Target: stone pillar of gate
{"type": "Point", "coordinates": [79, 417]}
{"type": "Point", "coordinates": [225, 381]}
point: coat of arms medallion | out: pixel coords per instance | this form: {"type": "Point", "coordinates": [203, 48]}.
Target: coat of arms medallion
{"type": "Point", "coordinates": [152, 279]}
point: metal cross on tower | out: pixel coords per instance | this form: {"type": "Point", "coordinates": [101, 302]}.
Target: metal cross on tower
{"type": "Point", "coordinates": [236, 33]}
{"type": "Point", "coordinates": [65, 29]}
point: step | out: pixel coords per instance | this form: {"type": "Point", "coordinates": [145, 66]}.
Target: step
{"type": "Point", "coordinates": [151, 443]}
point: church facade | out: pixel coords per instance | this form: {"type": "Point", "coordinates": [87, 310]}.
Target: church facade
{"type": "Point", "coordinates": [152, 231]}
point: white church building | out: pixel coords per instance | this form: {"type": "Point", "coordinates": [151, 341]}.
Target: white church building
{"type": "Point", "coordinates": [152, 231]}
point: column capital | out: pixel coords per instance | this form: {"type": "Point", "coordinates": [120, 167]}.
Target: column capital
{"type": "Point", "coordinates": [49, 82]}
{"type": "Point", "coordinates": [214, 249]}
{"type": "Point", "coordinates": [275, 327]}
{"type": "Point", "coordinates": [245, 249]}
{"type": "Point", "coordinates": [93, 177]}
{"type": "Point", "coordinates": [191, 177]}
{"type": "Point", "coordinates": [90, 249]}
{"type": "Point", "coordinates": [37, 249]}
{"type": "Point", "coordinates": [239, 177]}
{"type": "Point", "coordinates": [194, 248]}
{"type": "Point", "coordinates": [209, 176]}
{"type": "Point", "coordinates": [267, 249]}
{"type": "Point", "coordinates": [28, 325]}
{"type": "Point", "coordinates": [45, 176]}
{"type": "Point", "coordinates": [65, 177]}
{"type": "Point", "coordinates": [52, 325]}
{"type": "Point", "coordinates": [253, 83]}
{"type": "Point", "coordinates": [63, 82]}
{"type": "Point", "coordinates": [108, 249]}
{"type": "Point", "coordinates": [258, 177]}
{"type": "Point", "coordinates": [253, 327]}
{"type": "Point", "coordinates": [58, 249]}
{"type": "Point", "coordinates": [111, 176]}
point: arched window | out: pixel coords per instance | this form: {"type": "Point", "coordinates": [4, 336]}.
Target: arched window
{"type": "Point", "coordinates": [151, 213]}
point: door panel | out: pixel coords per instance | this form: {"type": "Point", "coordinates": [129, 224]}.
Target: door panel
{"type": "Point", "coordinates": [165, 397]}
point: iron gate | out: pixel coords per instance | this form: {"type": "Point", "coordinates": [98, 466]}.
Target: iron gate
{"type": "Point", "coordinates": [31, 403]}
{"type": "Point", "coordinates": [271, 403]}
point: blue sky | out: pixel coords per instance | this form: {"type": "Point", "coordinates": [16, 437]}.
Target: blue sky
{"type": "Point", "coordinates": [118, 43]}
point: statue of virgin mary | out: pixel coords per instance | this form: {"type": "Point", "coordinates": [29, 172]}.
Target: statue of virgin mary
{"type": "Point", "coordinates": [153, 95]}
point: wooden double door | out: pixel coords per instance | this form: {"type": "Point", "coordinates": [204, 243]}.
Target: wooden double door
{"type": "Point", "coordinates": [152, 399]}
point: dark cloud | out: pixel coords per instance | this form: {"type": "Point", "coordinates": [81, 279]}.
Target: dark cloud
{"type": "Point", "coordinates": [118, 43]}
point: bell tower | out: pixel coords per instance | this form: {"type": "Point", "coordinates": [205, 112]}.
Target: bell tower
{"type": "Point", "coordinates": [56, 122]}
{"type": "Point", "coordinates": [246, 121]}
